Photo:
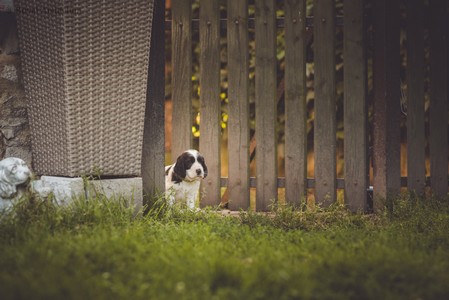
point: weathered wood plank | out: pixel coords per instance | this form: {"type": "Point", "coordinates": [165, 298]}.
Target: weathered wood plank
{"type": "Point", "coordinates": [438, 118]}
{"type": "Point", "coordinates": [181, 77]}
{"type": "Point", "coordinates": [325, 113]}
{"type": "Point", "coordinates": [295, 102]}
{"type": "Point", "coordinates": [355, 113]}
{"type": "Point", "coordinates": [416, 143]}
{"type": "Point", "coordinates": [238, 122]}
{"type": "Point", "coordinates": [153, 151]}
{"type": "Point", "coordinates": [210, 108]}
{"type": "Point", "coordinates": [386, 82]}
{"type": "Point", "coordinates": [265, 91]}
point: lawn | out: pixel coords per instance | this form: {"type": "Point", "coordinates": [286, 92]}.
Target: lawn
{"type": "Point", "coordinates": [100, 249]}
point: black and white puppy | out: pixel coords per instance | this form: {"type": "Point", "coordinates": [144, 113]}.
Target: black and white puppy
{"type": "Point", "coordinates": [183, 178]}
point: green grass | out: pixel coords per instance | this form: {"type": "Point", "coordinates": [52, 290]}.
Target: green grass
{"type": "Point", "coordinates": [100, 249]}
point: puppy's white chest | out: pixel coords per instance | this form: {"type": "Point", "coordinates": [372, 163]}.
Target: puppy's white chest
{"type": "Point", "coordinates": [186, 192]}
{"type": "Point", "coordinates": [185, 189]}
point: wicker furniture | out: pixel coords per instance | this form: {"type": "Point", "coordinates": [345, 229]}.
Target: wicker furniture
{"type": "Point", "coordinates": [85, 68]}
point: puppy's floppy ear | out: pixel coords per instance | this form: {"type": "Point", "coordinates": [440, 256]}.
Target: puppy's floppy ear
{"type": "Point", "coordinates": [180, 167]}
{"type": "Point", "coordinates": [203, 164]}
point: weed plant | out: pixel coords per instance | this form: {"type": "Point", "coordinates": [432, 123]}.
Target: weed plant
{"type": "Point", "coordinates": [102, 249]}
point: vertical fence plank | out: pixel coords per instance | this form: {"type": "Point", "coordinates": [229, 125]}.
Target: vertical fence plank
{"type": "Point", "coordinates": [325, 113]}
{"type": "Point", "coordinates": [295, 102]}
{"type": "Point", "coordinates": [153, 151]}
{"type": "Point", "coordinates": [210, 126]}
{"type": "Point", "coordinates": [265, 91]}
{"type": "Point", "coordinates": [386, 82]}
{"type": "Point", "coordinates": [355, 114]}
{"type": "Point", "coordinates": [181, 76]}
{"type": "Point", "coordinates": [438, 118]}
{"type": "Point", "coordinates": [416, 143]}
{"type": "Point", "coordinates": [238, 122]}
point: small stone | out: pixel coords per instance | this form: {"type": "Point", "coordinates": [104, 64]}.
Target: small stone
{"type": "Point", "coordinates": [9, 73]}
{"type": "Point", "coordinates": [8, 133]}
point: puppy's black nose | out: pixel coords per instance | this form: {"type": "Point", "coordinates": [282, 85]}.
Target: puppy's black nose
{"type": "Point", "coordinates": [198, 171]}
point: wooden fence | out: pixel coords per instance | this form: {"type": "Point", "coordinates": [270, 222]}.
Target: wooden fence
{"type": "Point", "coordinates": [383, 42]}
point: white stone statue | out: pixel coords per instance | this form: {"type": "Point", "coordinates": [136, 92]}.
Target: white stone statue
{"type": "Point", "coordinates": [13, 172]}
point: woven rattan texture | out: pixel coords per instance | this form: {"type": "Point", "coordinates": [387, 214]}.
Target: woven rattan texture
{"type": "Point", "coordinates": [85, 68]}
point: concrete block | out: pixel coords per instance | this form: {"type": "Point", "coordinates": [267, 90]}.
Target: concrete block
{"type": "Point", "coordinates": [64, 189]}
{"type": "Point", "coordinates": [129, 188]}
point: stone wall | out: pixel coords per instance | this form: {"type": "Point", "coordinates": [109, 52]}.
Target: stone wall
{"type": "Point", "coordinates": [15, 139]}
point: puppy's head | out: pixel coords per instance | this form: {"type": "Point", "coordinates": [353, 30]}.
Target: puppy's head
{"type": "Point", "coordinates": [190, 166]}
